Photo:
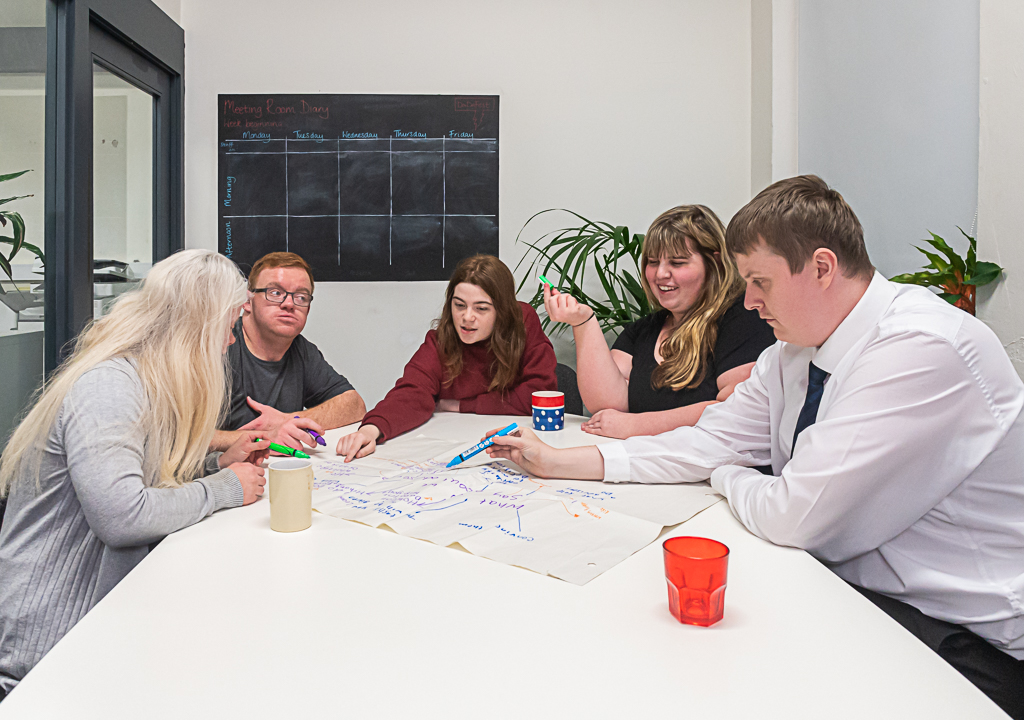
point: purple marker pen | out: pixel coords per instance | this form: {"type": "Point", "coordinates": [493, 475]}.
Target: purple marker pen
{"type": "Point", "coordinates": [316, 436]}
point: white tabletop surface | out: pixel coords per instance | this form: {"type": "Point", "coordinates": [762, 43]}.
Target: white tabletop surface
{"type": "Point", "coordinates": [230, 619]}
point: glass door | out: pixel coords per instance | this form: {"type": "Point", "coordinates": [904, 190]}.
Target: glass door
{"type": "Point", "coordinates": [22, 203]}
{"type": "Point", "coordinates": [123, 186]}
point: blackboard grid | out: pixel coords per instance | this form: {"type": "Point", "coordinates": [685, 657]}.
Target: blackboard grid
{"type": "Point", "coordinates": [337, 153]}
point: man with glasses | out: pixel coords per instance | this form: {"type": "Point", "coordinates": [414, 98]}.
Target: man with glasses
{"type": "Point", "coordinates": [276, 373]}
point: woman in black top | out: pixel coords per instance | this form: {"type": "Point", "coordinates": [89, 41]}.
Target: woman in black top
{"type": "Point", "coordinates": [697, 346]}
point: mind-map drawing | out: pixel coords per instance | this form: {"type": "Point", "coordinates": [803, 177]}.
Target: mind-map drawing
{"type": "Point", "coordinates": [572, 530]}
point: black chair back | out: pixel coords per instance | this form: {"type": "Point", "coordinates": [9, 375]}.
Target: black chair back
{"type": "Point", "coordinates": [566, 377]}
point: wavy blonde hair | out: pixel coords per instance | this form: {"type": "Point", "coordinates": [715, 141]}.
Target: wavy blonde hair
{"type": "Point", "coordinates": [173, 329]}
{"type": "Point", "coordinates": [680, 232]}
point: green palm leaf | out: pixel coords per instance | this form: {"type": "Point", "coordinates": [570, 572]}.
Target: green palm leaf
{"type": "Point", "coordinates": [955, 261]}
{"type": "Point", "coordinates": [11, 176]}
{"type": "Point", "coordinates": [985, 272]}
{"type": "Point", "coordinates": [937, 262]}
{"type": "Point", "coordinates": [12, 199]}
{"type": "Point", "coordinates": [605, 251]}
{"type": "Point", "coordinates": [17, 223]}
{"type": "Point", "coordinates": [18, 226]}
{"type": "Point", "coordinates": [919, 278]}
{"type": "Point", "coordinates": [972, 251]}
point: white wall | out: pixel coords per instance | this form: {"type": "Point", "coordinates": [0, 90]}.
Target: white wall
{"type": "Point", "coordinates": [616, 110]}
{"type": "Point", "coordinates": [761, 94]}
{"type": "Point", "coordinates": [889, 117]}
{"type": "Point", "coordinates": [786, 87]}
{"type": "Point", "coordinates": [1001, 170]}
{"type": "Point", "coordinates": [774, 100]}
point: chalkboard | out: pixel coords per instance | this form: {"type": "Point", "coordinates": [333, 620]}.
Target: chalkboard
{"type": "Point", "coordinates": [364, 187]}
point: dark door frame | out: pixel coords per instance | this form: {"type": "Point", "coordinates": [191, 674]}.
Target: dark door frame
{"type": "Point", "coordinates": [133, 39]}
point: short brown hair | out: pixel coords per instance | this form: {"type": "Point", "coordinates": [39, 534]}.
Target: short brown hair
{"type": "Point", "coordinates": [279, 260]}
{"type": "Point", "coordinates": [796, 216]}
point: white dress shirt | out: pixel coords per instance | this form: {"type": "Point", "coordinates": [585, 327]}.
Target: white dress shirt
{"type": "Point", "coordinates": [910, 483]}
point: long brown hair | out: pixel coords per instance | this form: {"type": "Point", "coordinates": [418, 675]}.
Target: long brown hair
{"type": "Point", "coordinates": [687, 348]}
{"type": "Point", "coordinates": [507, 340]}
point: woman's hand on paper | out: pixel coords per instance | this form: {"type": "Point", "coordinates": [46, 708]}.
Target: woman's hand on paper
{"type": "Point", "coordinates": [611, 423]}
{"type": "Point", "coordinates": [359, 444]}
{"type": "Point", "coordinates": [252, 478]}
{"type": "Point", "coordinates": [564, 308]}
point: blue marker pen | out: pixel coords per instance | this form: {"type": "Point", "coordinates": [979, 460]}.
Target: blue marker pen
{"type": "Point", "coordinates": [316, 436]}
{"type": "Point", "coordinates": [485, 443]}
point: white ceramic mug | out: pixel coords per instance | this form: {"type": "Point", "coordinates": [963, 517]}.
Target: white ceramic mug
{"type": "Point", "coordinates": [291, 494]}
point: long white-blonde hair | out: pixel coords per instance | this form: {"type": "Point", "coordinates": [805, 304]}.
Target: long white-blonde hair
{"type": "Point", "coordinates": [173, 330]}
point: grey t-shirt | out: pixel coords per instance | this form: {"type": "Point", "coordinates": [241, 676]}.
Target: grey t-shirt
{"type": "Point", "coordinates": [301, 379]}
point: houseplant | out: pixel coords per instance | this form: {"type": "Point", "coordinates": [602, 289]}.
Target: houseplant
{"type": "Point", "coordinates": [17, 226]}
{"type": "Point", "coordinates": [955, 276]}
{"type": "Point", "coordinates": [613, 254]}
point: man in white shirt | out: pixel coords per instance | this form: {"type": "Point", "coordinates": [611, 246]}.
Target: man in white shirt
{"type": "Point", "coordinates": [892, 422]}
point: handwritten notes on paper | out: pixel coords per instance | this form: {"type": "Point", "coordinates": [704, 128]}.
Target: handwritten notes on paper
{"type": "Point", "coordinates": [573, 530]}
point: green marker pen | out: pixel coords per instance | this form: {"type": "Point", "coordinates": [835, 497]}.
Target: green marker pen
{"type": "Point", "coordinates": [285, 450]}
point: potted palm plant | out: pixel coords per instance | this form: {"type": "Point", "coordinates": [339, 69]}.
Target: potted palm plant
{"type": "Point", "coordinates": [956, 277]}
{"type": "Point", "coordinates": [18, 296]}
{"type": "Point", "coordinates": [610, 252]}
{"type": "Point", "coordinates": [17, 227]}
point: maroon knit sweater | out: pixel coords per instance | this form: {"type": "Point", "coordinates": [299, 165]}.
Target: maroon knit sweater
{"type": "Point", "coordinates": [411, 402]}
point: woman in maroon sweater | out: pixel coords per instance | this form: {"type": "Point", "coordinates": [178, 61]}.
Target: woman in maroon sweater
{"type": "Point", "coordinates": [487, 355]}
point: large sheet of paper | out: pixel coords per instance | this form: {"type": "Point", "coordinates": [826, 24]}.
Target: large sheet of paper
{"type": "Point", "coordinates": [573, 530]}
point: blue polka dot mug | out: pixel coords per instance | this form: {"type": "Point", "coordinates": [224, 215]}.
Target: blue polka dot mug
{"type": "Point", "coordinates": [548, 410]}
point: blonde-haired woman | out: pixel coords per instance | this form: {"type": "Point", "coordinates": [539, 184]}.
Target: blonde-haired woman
{"type": "Point", "coordinates": [697, 346]}
{"type": "Point", "coordinates": [112, 456]}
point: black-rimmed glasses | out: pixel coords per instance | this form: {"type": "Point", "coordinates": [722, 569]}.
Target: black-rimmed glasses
{"type": "Point", "coordinates": [277, 296]}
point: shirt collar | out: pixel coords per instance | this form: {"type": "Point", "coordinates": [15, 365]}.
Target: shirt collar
{"type": "Point", "coordinates": [862, 319]}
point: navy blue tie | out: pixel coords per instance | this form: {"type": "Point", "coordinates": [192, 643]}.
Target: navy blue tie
{"type": "Point", "coordinates": [815, 389]}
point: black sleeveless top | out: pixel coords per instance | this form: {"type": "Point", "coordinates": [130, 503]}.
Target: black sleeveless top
{"type": "Point", "coordinates": [742, 336]}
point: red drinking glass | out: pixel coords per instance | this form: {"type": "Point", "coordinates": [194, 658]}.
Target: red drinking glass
{"type": "Point", "coordinates": [695, 569]}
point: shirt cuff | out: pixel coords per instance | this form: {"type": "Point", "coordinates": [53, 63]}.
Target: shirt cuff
{"type": "Point", "coordinates": [616, 462]}
{"type": "Point", "coordinates": [226, 489]}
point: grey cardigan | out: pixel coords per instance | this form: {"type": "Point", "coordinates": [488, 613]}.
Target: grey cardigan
{"type": "Point", "coordinates": [93, 518]}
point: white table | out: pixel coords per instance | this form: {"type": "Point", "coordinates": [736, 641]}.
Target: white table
{"type": "Point", "coordinates": [230, 619]}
